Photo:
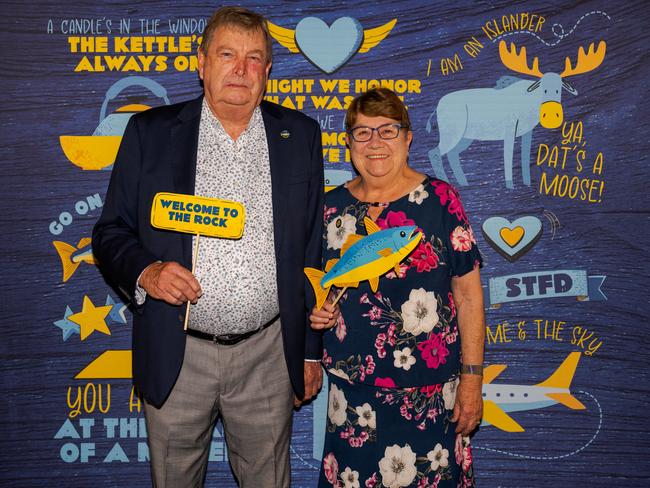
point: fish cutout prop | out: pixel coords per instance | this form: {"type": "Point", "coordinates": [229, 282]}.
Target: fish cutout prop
{"type": "Point", "coordinates": [197, 215]}
{"type": "Point", "coordinates": [364, 258]}
{"type": "Point", "coordinates": [71, 256]}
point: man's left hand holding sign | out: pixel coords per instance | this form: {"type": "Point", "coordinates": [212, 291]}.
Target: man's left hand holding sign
{"type": "Point", "coordinates": [170, 282]}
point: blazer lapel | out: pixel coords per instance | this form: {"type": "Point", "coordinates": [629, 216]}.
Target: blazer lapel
{"type": "Point", "coordinates": [279, 169]}
{"type": "Point", "coordinates": [184, 144]}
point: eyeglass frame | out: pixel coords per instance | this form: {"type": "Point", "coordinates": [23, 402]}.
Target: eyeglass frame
{"type": "Point", "coordinates": [373, 129]}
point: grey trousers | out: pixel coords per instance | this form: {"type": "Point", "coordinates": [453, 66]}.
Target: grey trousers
{"type": "Point", "coordinates": [248, 385]}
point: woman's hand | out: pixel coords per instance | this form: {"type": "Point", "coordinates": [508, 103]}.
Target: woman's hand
{"type": "Point", "coordinates": [468, 408]}
{"type": "Point", "coordinates": [326, 317]}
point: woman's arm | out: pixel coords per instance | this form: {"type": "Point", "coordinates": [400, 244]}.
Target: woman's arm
{"type": "Point", "coordinates": [468, 297]}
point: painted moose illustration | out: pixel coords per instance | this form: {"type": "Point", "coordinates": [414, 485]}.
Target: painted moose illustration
{"type": "Point", "coordinates": [512, 109]}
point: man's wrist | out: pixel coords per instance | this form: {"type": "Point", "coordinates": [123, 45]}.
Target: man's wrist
{"type": "Point", "coordinates": [140, 294]}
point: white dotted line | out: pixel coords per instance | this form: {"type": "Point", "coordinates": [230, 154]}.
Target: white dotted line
{"type": "Point", "coordinates": [561, 35]}
{"type": "Point", "coordinates": [304, 461]}
{"type": "Point", "coordinates": [551, 458]}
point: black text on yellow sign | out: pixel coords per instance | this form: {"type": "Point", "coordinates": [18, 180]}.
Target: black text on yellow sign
{"type": "Point", "coordinates": [198, 215]}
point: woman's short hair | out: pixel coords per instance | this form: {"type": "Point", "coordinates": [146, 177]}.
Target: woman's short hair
{"type": "Point", "coordinates": [378, 102]}
{"type": "Point", "coordinates": [239, 18]}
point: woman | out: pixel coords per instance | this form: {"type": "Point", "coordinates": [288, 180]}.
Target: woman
{"type": "Point", "coordinates": [400, 402]}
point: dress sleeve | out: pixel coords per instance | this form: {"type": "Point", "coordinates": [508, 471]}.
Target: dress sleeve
{"type": "Point", "coordinates": [462, 252]}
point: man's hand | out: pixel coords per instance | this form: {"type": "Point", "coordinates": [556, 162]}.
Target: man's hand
{"type": "Point", "coordinates": [313, 381]}
{"type": "Point", "coordinates": [170, 282]}
{"type": "Point", "coordinates": [326, 317]}
{"type": "Point", "coordinates": [468, 409]}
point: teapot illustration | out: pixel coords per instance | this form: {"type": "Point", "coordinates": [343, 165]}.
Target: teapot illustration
{"type": "Point", "coordinates": [98, 151]}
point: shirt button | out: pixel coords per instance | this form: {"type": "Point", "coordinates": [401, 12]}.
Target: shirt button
{"type": "Point", "coordinates": [180, 317]}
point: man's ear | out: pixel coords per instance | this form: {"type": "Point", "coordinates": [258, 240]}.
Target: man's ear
{"type": "Point", "coordinates": [201, 58]}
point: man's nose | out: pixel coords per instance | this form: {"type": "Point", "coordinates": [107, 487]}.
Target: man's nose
{"type": "Point", "coordinates": [240, 66]}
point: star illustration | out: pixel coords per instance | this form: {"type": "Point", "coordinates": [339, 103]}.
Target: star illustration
{"type": "Point", "coordinates": [67, 327]}
{"type": "Point", "coordinates": [116, 315]}
{"type": "Point", "coordinates": [91, 318]}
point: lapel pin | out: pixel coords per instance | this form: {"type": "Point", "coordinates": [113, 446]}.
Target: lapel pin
{"type": "Point", "coordinates": [285, 134]}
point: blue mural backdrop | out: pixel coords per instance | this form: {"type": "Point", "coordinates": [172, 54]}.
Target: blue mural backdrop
{"type": "Point", "coordinates": [557, 197]}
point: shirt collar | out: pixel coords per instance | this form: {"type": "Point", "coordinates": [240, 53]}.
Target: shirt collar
{"type": "Point", "coordinates": [255, 123]}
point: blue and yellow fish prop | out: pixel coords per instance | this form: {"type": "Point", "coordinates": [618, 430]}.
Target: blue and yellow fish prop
{"type": "Point", "coordinates": [364, 258]}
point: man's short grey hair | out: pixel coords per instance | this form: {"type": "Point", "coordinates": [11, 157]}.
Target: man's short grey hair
{"type": "Point", "coordinates": [239, 18]}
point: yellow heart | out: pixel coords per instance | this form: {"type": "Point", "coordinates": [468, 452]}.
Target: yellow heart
{"type": "Point", "coordinates": [512, 236]}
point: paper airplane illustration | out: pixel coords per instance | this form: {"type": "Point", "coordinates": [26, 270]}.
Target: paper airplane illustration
{"type": "Point", "coordinates": [500, 399]}
{"type": "Point", "coordinates": [364, 258]}
{"type": "Point", "coordinates": [111, 364]}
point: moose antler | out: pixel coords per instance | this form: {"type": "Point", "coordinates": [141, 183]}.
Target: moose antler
{"type": "Point", "coordinates": [586, 62]}
{"type": "Point", "coordinates": [517, 62]}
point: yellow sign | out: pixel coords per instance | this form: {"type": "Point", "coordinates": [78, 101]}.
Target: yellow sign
{"type": "Point", "coordinates": [198, 215]}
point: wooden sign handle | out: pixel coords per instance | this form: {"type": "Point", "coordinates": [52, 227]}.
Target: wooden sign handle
{"type": "Point", "coordinates": [195, 255]}
{"type": "Point", "coordinates": [338, 297]}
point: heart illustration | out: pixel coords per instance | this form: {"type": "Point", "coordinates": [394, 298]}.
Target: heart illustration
{"type": "Point", "coordinates": [512, 236]}
{"type": "Point", "coordinates": [329, 48]}
{"type": "Point", "coordinates": [512, 239]}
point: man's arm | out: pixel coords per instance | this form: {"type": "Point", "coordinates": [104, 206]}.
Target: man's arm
{"type": "Point", "coordinates": [468, 297]}
{"type": "Point", "coordinates": [116, 244]}
{"type": "Point", "coordinates": [313, 339]}
{"type": "Point", "coordinates": [313, 253]}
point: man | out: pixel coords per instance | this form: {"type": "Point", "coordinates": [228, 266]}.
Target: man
{"type": "Point", "coordinates": [248, 296]}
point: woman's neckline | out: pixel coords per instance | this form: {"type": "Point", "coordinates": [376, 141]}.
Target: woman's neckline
{"type": "Point", "coordinates": [385, 204]}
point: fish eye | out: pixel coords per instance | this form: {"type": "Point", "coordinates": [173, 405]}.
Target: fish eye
{"type": "Point", "coordinates": [402, 234]}
{"type": "Point", "coordinates": [338, 223]}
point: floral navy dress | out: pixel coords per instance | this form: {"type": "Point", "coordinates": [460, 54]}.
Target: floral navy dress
{"type": "Point", "coordinates": [393, 358]}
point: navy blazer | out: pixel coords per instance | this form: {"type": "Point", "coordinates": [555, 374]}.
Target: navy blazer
{"type": "Point", "coordinates": [158, 154]}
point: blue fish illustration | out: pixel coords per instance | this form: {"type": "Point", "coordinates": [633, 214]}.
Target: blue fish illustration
{"type": "Point", "coordinates": [364, 258]}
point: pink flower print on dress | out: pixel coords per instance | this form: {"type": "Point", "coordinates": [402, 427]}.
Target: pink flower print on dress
{"type": "Point", "coordinates": [424, 258]}
{"type": "Point", "coordinates": [461, 239]}
{"type": "Point", "coordinates": [328, 211]}
{"type": "Point", "coordinates": [431, 390]}
{"type": "Point", "coordinates": [452, 305]}
{"type": "Point", "coordinates": [341, 330]}
{"type": "Point", "coordinates": [379, 345]}
{"type": "Point", "coordinates": [331, 468]}
{"type": "Point", "coordinates": [448, 194]}
{"type": "Point", "coordinates": [385, 382]}
{"type": "Point", "coordinates": [372, 481]}
{"type": "Point", "coordinates": [374, 313]}
{"type": "Point", "coordinates": [434, 351]}
{"type": "Point", "coordinates": [394, 219]}
{"type": "Point", "coordinates": [370, 368]}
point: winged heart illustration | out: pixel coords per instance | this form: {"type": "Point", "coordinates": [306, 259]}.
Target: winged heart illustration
{"type": "Point", "coordinates": [330, 47]}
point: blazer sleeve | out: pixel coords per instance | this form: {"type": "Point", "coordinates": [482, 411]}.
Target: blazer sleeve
{"type": "Point", "coordinates": [313, 253]}
{"type": "Point", "coordinates": [116, 245]}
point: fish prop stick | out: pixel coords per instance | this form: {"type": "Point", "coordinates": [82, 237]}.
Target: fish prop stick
{"type": "Point", "coordinates": [191, 214]}
{"type": "Point", "coordinates": [364, 258]}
